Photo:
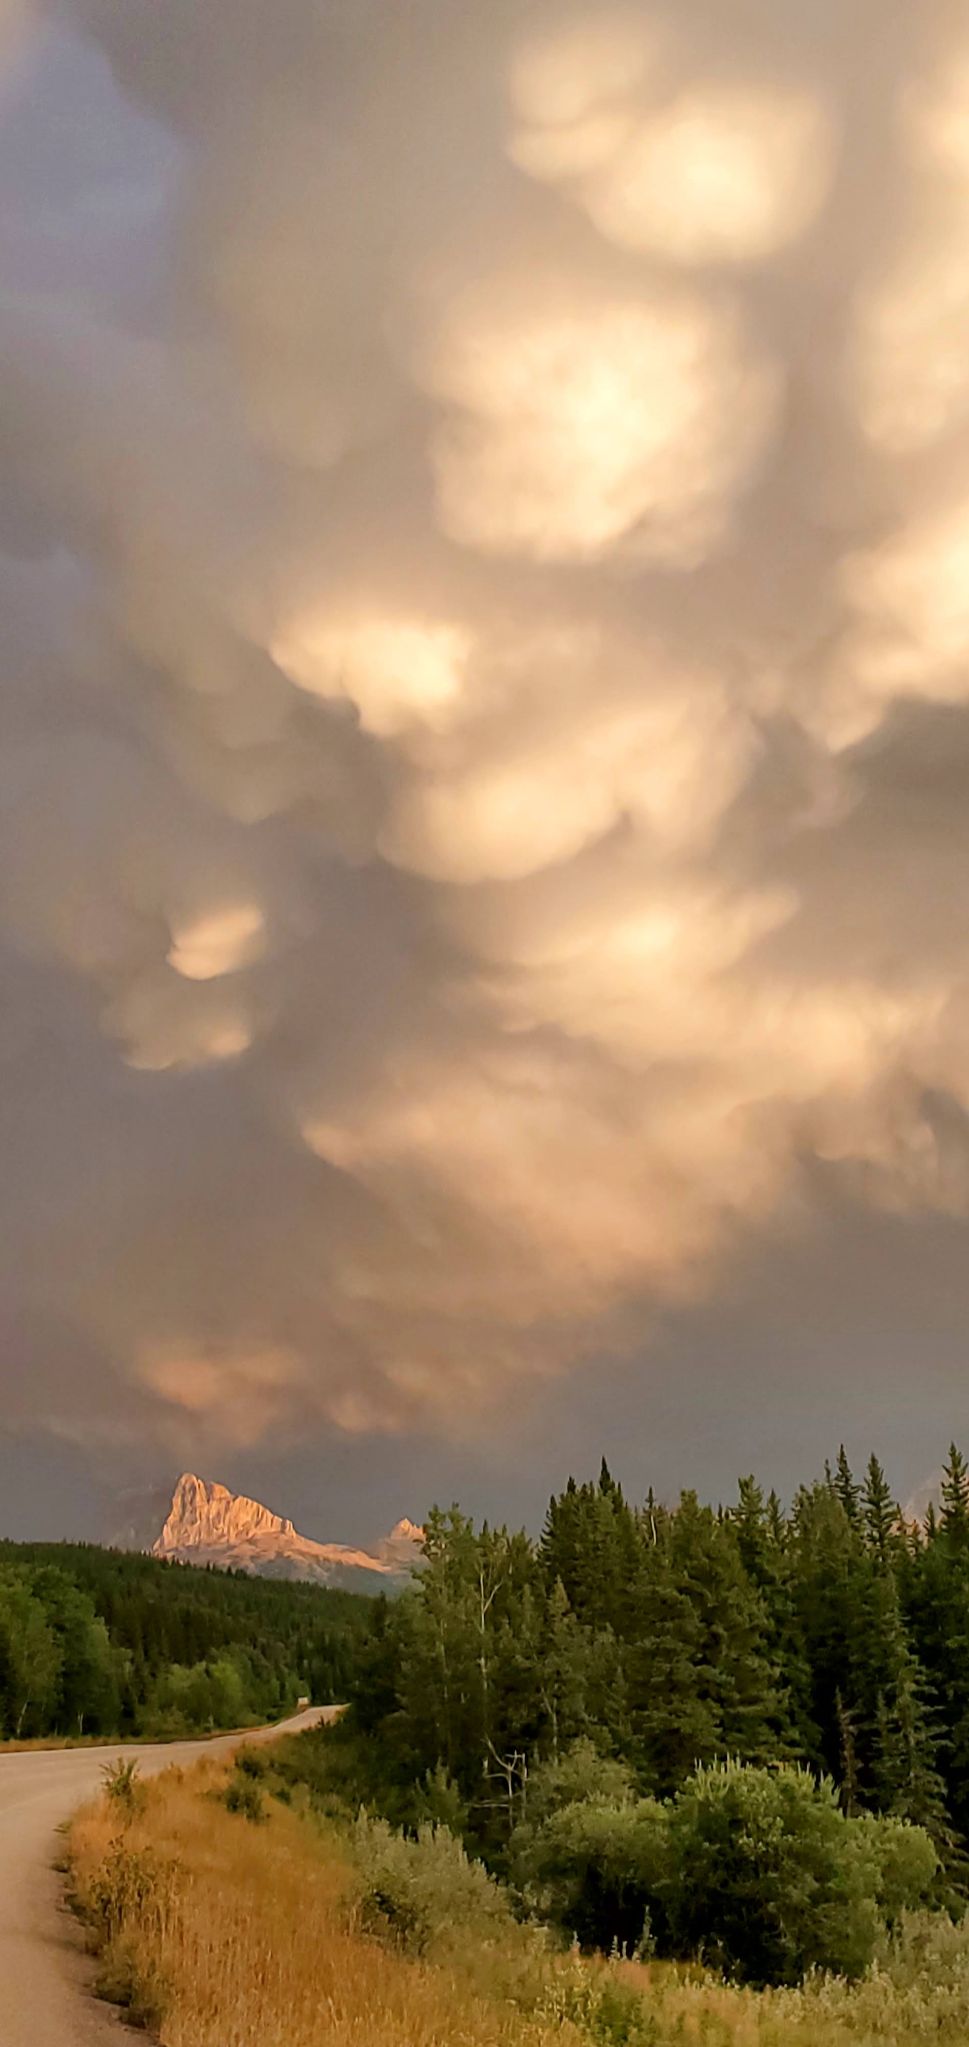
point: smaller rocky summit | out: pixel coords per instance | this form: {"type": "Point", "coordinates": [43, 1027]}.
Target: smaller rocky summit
{"type": "Point", "coordinates": [206, 1524]}
{"type": "Point", "coordinates": [928, 1494]}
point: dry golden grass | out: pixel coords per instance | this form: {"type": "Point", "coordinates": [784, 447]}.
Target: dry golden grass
{"type": "Point", "coordinates": [243, 1936]}
{"type": "Point", "coordinates": [224, 1933]}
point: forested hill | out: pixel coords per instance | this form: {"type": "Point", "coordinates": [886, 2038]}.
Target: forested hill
{"type": "Point", "coordinates": [831, 1634]}
{"type": "Point", "coordinates": [99, 1642]}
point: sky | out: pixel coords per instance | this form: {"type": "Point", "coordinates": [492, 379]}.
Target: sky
{"type": "Point", "coordinates": [484, 748]}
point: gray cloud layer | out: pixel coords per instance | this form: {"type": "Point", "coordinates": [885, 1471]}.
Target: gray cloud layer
{"type": "Point", "coordinates": [484, 542]}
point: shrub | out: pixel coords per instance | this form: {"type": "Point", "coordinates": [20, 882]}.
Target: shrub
{"type": "Point", "coordinates": [907, 1865]}
{"type": "Point", "coordinates": [129, 1889]}
{"type": "Point", "coordinates": [439, 1802]}
{"type": "Point", "coordinates": [251, 1763]}
{"type": "Point", "coordinates": [597, 1871]}
{"type": "Point", "coordinates": [122, 1784]}
{"type": "Point", "coordinates": [768, 1879]}
{"type": "Point", "coordinates": [582, 1776]}
{"type": "Point", "coordinates": [755, 1871]}
{"type": "Point", "coordinates": [426, 1891]}
{"type": "Point", "coordinates": [599, 2005]}
{"type": "Point", "coordinates": [244, 1797]}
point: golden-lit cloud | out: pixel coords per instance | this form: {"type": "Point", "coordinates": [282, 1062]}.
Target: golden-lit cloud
{"type": "Point", "coordinates": [588, 422]}
{"type": "Point", "coordinates": [520, 803]}
{"type": "Point", "coordinates": [396, 671]}
{"type": "Point", "coordinates": [579, 60]}
{"type": "Point", "coordinates": [217, 943]}
{"type": "Point", "coordinates": [160, 1025]}
{"type": "Point", "coordinates": [484, 561]}
{"type": "Point", "coordinates": [935, 113]}
{"type": "Point", "coordinates": [717, 174]}
{"type": "Point", "coordinates": [238, 1394]}
{"type": "Point", "coordinates": [912, 595]}
{"type": "Point", "coordinates": [909, 352]}
{"type": "Point", "coordinates": [909, 338]}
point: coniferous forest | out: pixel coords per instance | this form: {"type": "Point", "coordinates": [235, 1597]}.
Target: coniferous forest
{"type": "Point", "coordinates": [96, 1642]}
{"type": "Point", "coordinates": [778, 1691]}
{"type": "Point", "coordinates": [831, 1634]}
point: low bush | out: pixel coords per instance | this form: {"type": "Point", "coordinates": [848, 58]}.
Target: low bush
{"type": "Point", "coordinates": [597, 1871]}
{"type": "Point", "coordinates": [243, 1797]}
{"type": "Point", "coordinates": [252, 1763]}
{"type": "Point", "coordinates": [426, 1892]}
{"type": "Point", "coordinates": [122, 1784]}
{"type": "Point", "coordinates": [755, 1871]}
{"type": "Point", "coordinates": [768, 1879]}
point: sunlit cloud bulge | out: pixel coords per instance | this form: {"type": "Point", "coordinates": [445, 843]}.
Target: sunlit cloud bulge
{"type": "Point", "coordinates": [713, 172]}
{"type": "Point", "coordinates": [484, 554]}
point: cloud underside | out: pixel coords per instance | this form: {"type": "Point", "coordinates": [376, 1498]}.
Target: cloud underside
{"type": "Point", "coordinates": [485, 697]}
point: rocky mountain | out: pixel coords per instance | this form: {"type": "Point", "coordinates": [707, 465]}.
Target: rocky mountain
{"type": "Point", "coordinates": [928, 1494]}
{"type": "Point", "coordinates": [207, 1524]}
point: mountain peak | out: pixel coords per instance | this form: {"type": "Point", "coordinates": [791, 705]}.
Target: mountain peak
{"type": "Point", "coordinates": [207, 1524]}
{"type": "Point", "coordinates": [203, 1514]}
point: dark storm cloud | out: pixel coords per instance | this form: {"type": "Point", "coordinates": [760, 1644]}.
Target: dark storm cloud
{"type": "Point", "coordinates": [485, 699]}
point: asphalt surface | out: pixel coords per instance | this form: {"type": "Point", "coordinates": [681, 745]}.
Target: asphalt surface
{"type": "Point", "coordinates": [45, 1998]}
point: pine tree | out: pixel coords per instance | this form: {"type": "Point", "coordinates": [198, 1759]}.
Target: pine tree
{"type": "Point", "coordinates": [846, 1490]}
{"type": "Point", "coordinates": [880, 1511]}
{"type": "Point", "coordinates": [905, 1777]}
{"type": "Point", "coordinates": [954, 1521]}
{"type": "Point", "coordinates": [703, 1681]}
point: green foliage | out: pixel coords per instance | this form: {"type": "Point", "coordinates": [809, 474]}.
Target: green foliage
{"type": "Point", "coordinates": [907, 1866]}
{"type": "Point", "coordinates": [768, 1878]}
{"type": "Point", "coordinates": [670, 1638]}
{"type": "Point", "coordinates": [426, 1892]}
{"type": "Point", "coordinates": [578, 1708]}
{"type": "Point", "coordinates": [600, 2006]}
{"type": "Point", "coordinates": [597, 1870]}
{"type": "Point", "coordinates": [99, 1643]}
{"type": "Point", "coordinates": [756, 1871]}
{"type": "Point", "coordinates": [581, 1776]}
{"type": "Point", "coordinates": [439, 1802]}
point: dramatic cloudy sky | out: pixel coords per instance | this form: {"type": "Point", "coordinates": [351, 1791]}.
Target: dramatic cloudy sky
{"type": "Point", "coordinates": [484, 746]}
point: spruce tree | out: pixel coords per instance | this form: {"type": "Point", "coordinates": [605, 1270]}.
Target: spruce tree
{"type": "Point", "coordinates": [846, 1490]}
{"type": "Point", "coordinates": [880, 1511]}
{"type": "Point", "coordinates": [954, 1519]}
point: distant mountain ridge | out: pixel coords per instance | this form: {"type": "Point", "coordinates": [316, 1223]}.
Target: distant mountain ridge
{"type": "Point", "coordinates": [928, 1494]}
{"type": "Point", "coordinates": [206, 1524]}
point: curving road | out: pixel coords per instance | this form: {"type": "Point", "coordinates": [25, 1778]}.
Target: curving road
{"type": "Point", "coordinates": [44, 1975]}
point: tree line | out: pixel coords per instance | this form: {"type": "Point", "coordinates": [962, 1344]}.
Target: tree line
{"type": "Point", "coordinates": [829, 1634]}
{"type": "Point", "coordinates": [97, 1642]}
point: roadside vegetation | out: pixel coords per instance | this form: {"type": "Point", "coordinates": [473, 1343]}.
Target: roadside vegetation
{"type": "Point", "coordinates": [228, 1910]}
{"type": "Point", "coordinates": [97, 1643]}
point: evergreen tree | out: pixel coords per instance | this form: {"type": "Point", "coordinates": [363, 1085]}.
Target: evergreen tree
{"type": "Point", "coordinates": [880, 1511]}
{"type": "Point", "coordinates": [954, 1520]}
{"type": "Point", "coordinates": [845, 1490]}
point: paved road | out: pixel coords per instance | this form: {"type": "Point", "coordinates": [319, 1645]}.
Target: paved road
{"type": "Point", "coordinates": [44, 1976]}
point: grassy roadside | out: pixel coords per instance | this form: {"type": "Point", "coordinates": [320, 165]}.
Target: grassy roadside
{"type": "Point", "coordinates": [254, 1923]}
{"type": "Point", "coordinates": [222, 1933]}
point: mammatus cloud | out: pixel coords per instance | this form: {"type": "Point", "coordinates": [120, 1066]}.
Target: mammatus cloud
{"type": "Point", "coordinates": [697, 169]}
{"type": "Point", "coordinates": [485, 552]}
{"type": "Point", "coordinates": [588, 422]}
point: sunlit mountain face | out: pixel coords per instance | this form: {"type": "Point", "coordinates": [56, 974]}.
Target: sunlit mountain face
{"type": "Point", "coordinates": [207, 1525]}
{"type": "Point", "coordinates": [484, 728]}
